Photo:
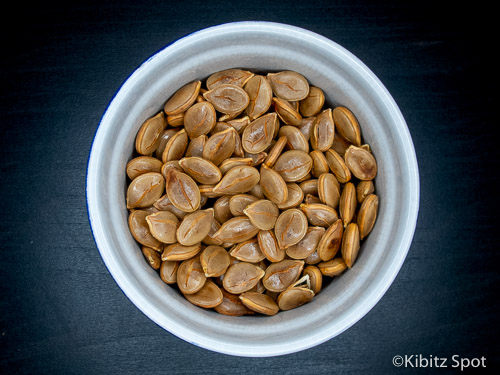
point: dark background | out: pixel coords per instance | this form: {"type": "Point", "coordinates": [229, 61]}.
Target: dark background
{"type": "Point", "coordinates": [61, 311]}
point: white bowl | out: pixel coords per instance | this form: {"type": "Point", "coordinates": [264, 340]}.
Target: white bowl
{"type": "Point", "coordinates": [257, 46]}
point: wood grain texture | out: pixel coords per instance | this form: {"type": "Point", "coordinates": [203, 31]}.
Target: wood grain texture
{"type": "Point", "coordinates": [62, 313]}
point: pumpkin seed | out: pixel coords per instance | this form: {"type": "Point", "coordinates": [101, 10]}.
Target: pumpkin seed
{"type": "Point", "coordinates": [195, 227]}
{"type": "Point", "coordinates": [242, 277]}
{"type": "Point", "coordinates": [289, 85]}
{"type": "Point", "coordinates": [145, 189]}
{"type": "Point", "coordinates": [361, 163]}
{"type": "Point", "coordinates": [237, 77]}
{"type": "Point", "coordinates": [259, 302]}
{"type": "Point", "coordinates": [347, 125]}
{"type": "Point", "coordinates": [260, 96]}
{"type": "Point", "coordinates": [148, 136]}
{"type": "Point", "coordinates": [183, 98]}
{"type": "Point", "coordinates": [367, 215]}
{"type": "Point", "coordinates": [350, 244]}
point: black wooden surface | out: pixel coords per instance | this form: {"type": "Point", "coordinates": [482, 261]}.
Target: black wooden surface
{"type": "Point", "coordinates": [61, 311]}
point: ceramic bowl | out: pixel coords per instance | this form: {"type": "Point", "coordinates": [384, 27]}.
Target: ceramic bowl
{"type": "Point", "coordinates": [256, 46]}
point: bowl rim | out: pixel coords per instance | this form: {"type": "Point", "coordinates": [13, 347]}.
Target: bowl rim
{"type": "Point", "coordinates": [199, 340]}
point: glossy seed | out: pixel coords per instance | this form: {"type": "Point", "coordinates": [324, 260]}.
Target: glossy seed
{"type": "Point", "coordinates": [176, 146]}
{"type": "Point", "coordinates": [195, 227]}
{"type": "Point", "coordinates": [313, 103]}
{"type": "Point", "coordinates": [315, 278]}
{"type": "Point", "coordinates": [333, 267]}
{"type": "Point", "coordinates": [269, 246]}
{"type": "Point", "coordinates": [178, 252]}
{"type": "Point", "coordinates": [164, 204]}
{"type": "Point", "coordinates": [295, 196]}
{"type": "Point", "coordinates": [201, 170]}
{"type": "Point", "coordinates": [347, 125]}
{"type": "Point", "coordinates": [238, 180]}
{"type": "Point", "coordinates": [260, 96]}
{"type": "Point", "coordinates": [148, 136]}
{"type": "Point", "coordinates": [232, 162]}
{"type": "Point", "coordinates": [141, 165]}
{"type": "Point", "coordinates": [258, 302]}
{"type": "Point", "coordinates": [348, 203]}
{"type": "Point", "coordinates": [294, 297]}
{"type": "Point", "coordinates": [328, 190]}
{"type": "Point", "coordinates": [195, 146]}
{"type": "Point", "coordinates": [350, 244]}
{"type": "Point", "coordinates": [361, 163]}
{"type": "Point", "coordinates": [199, 119]}
{"type": "Point", "coordinates": [247, 251]}
{"type": "Point", "coordinates": [279, 276]}
{"type": "Point", "coordinates": [367, 215]}
{"type": "Point", "coordinates": [309, 187]}
{"type": "Point", "coordinates": [168, 271]}
{"type": "Point", "coordinates": [164, 137]}
{"type": "Point", "coordinates": [330, 242]}
{"type": "Point", "coordinates": [163, 226]}
{"type": "Point", "coordinates": [319, 214]}
{"type": "Point", "coordinates": [234, 76]}
{"type": "Point", "coordinates": [320, 164]}
{"type": "Point", "coordinates": [239, 124]}
{"type": "Point", "coordinates": [307, 245]}
{"type": "Point", "coordinates": [209, 296]}
{"type": "Point", "coordinates": [214, 260]}
{"type": "Point", "coordinates": [242, 277]}
{"type": "Point", "coordinates": [236, 230]}
{"type": "Point", "coordinates": [290, 228]}
{"type": "Point", "coordinates": [340, 145]}
{"type": "Point", "coordinates": [173, 164]}
{"type": "Point", "coordinates": [289, 85]}
{"type": "Point", "coordinates": [262, 213]}
{"type": "Point", "coordinates": [239, 202]}
{"type": "Point", "coordinates": [231, 305]}
{"type": "Point", "coordinates": [182, 191]}
{"type": "Point", "coordinates": [293, 165]}
{"type": "Point", "coordinates": [145, 189]}
{"type": "Point", "coordinates": [190, 276]}
{"type": "Point", "coordinates": [306, 126]}
{"type": "Point", "coordinates": [295, 139]}
{"type": "Point", "coordinates": [273, 185]}
{"type": "Point", "coordinates": [183, 98]}
{"type": "Point", "coordinates": [323, 131]}
{"type": "Point", "coordinates": [363, 189]}
{"type": "Point", "coordinates": [275, 151]}
{"type": "Point", "coordinates": [152, 257]}
{"type": "Point", "coordinates": [286, 112]}
{"type": "Point", "coordinates": [176, 120]}
{"type": "Point", "coordinates": [140, 230]}
{"type": "Point", "coordinates": [222, 211]}
{"type": "Point", "coordinates": [337, 166]}
{"type": "Point", "coordinates": [219, 146]}
{"type": "Point", "coordinates": [210, 239]}
{"type": "Point", "coordinates": [258, 135]}
{"type": "Point", "coordinates": [228, 99]}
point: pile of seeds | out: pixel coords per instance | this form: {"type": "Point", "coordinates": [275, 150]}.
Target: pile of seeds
{"type": "Point", "coordinates": [246, 191]}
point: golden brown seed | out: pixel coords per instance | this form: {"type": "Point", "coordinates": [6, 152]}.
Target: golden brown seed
{"type": "Point", "coordinates": [295, 139]}
{"type": "Point", "coordinates": [239, 124]}
{"type": "Point", "coordinates": [227, 164]}
{"type": "Point", "coordinates": [209, 239]}
{"type": "Point", "coordinates": [273, 185]}
{"type": "Point", "coordinates": [307, 245]}
{"type": "Point", "coordinates": [350, 244]}
{"type": "Point", "coordinates": [168, 271]}
{"type": "Point", "coordinates": [163, 226]}
{"type": "Point", "coordinates": [306, 126]}
{"type": "Point", "coordinates": [289, 85]}
{"type": "Point", "coordinates": [311, 199]}
{"type": "Point", "coordinates": [209, 296]}
{"type": "Point", "coordinates": [242, 277]}
{"type": "Point", "coordinates": [182, 191]}
{"type": "Point", "coordinates": [141, 165]}
{"type": "Point", "coordinates": [257, 159]}
{"type": "Point", "coordinates": [238, 180]}
{"type": "Point", "coordinates": [275, 151]}
{"type": "Point", "coordinates": [361, 163]}
{"type": "Point", "coordinates": [323, 131]}
{"type": "Point", "coordinates": [239, 202]}
{"type": "Point", "coordinates": [183, 98]}
{"type": "Point", "coordinates": [313, 103]}
{"type": "Point", "coordinates": [293, 165]}
{"type": "Point", "coordinates": [236, 230]}
{"type": "Point", "coordinates": [286, 112]}
{"type": "Point", "coordinates": [145, 189]}
{"type": "Point", "coordinates": [319, 214]}
{"type": "Point", "coordinates": [258, 302]}
{"type": "Point", "coordinates": [260, 96]}
{"type": "Point", "coordinates": [164, 137]}
{"type": "Point", "coordinates": [367, 215]}
{"type": "Point", "coordinates": [347, 125]}
{"type": "Point", "coordinates": [177, 252]}
{"type": "Point", "coordinates": [290, 228]}
{"type": "Point", "coordinates": [195, 227]}
{"type": "Point", "coordinates": [228, 99]}
{"type": "Point", "coordinates": [231, 76]}
{"type": "Point", "coordinates": [279, 276]}
{"type": "Point", "coordinates": [190, 276]}
{"type": "Point", "coordinates": [294, 297]}
{"type": "Point", "coordinates": [248, 251]}
{"type": "Point", "coordinates": [315, 278]}
{"type": "Point", "coordinates": [337, 166]}
{"type": "Point", "coordinates": [152, 257]}
{"type": "Point", "coordinates": [309, 187]}
{"type": "Point", "coordinates": [214, 260]}
{"type": "Point", "coordinates": [199, 119]}
{"type": "Point", "coordinates": [148, 136]}
{"type": "Point", "coordinates": [330, 242]}
{"type": "Point", "coordinates": [201, 170]}
{"type": "Point", "coordinates": [176, 146]}
{"type": "Point", "coordinates": [313, 258]}
{"type": "Point", "coordinates": [140, 230]}
{"type": "Point", "coordinates": [262, 213]}
{"type": "Point", "coordinates": [348, 203]}
{"type": "Point", "coordinates": [222, 211]}
{"type": "Point", "coordinates": [219, 146]}
{"type": "Point", "coordinates": [258, 135]}
{"type": "Point", "coordinates": [363, 189]}
{"type": "Point", "coordinates": [176, 120]}
{"type": "Point", "coordinates": [295, 196]}
{"type": "Point", "coordinates": [333, 267]}
{"type": "Point", "coordinates": [173, 164]}
{"type": "Point", "coordinates": [269, 246]}
{"type": "Point", "coordinates": [231, 305]}
{"type": "Point", "coordinates": [320, 164]}
{"type": "Point", "coordinates": [164, 204]}
{"type": "Point", "coordinates": [328, 190]}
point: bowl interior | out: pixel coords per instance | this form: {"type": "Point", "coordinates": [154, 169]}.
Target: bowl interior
{"type": "Point", "coordinates": [256, 46]}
